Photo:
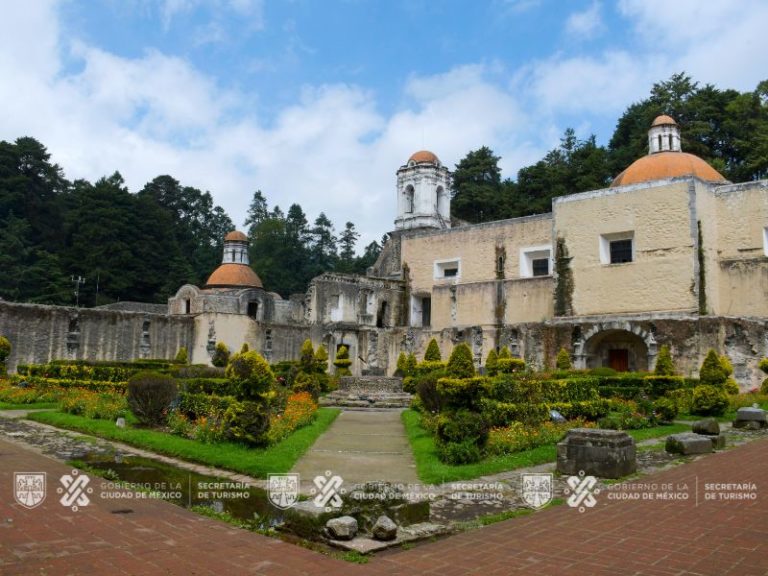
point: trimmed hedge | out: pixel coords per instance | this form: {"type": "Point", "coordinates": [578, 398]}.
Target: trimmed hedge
{"type": "Point", "coordinates": [195, 405]}
{"type": "Point", "coordinates": [101, 371]}
{"type": "Point", "coordinates": [43, 383]}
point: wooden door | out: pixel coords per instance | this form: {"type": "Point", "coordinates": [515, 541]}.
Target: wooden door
{"type": "Point", "coordinates": [619, 360]}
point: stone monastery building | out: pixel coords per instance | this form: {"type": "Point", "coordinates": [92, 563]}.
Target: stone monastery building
{"type": "Point", "coordinates": [670, 253]}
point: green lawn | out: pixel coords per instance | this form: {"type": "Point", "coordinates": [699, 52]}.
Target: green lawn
{"type": "Point", "coordinates": [657, 431]}
{"type": "Point", "coordinates": [432, 471]}
{"type": "Point", "coordinates": [33, 406]}
{"type": "Point", "coordinates": [256, 462]}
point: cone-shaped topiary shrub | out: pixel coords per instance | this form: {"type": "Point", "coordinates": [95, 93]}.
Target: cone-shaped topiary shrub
{"type": "Point", "coordinates": [712, 372]}
{"type": "Point", "coordinates": [491, 367]}
{"type": "Point", "coordinates": [563, 360]}
{"type": "Point", "coordinates": [433, 352]}
{"type": "Point", "coordinates": [307, 356]}
{"type": "Point", "coordinates": [461, 363]}
{"type": "Point", "coordinates": [664, 364]}
{"type": "Point", "coordinates": [402, 365]}
{"type": "Point", "coordinates": [182, 356]}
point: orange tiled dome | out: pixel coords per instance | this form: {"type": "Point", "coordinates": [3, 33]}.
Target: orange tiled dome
{"type": "Point", "coordinates": [664, 120]}
{"type": "Point", "coordinates": [234, 276]}
{"type": "Point", "coordinates": [424, 156]}
{"type": "Point", "coordinates": [235, 236]}
{"type": "Point", "coordinates": [667, 165]}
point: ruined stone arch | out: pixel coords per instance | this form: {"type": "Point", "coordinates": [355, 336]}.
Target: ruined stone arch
{"type": "Point", "coordinates": [620, 345]}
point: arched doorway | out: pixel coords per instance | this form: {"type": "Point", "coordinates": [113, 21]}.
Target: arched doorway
{"type": "Point", "coordinates": [622, 350]}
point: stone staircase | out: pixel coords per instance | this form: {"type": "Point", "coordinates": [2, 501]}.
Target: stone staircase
{"type": "Point", "coordinates": [372, 392]}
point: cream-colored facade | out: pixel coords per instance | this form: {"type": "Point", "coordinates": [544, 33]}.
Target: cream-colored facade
{"type": "Point", "coordinates": [670, 241]}
{"type": "Point", "coordinates": [670, 253]}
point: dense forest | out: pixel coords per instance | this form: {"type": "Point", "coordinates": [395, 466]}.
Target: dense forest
{"type": "Point", "coordinates": [143, 246]}
{"type": "Point", "coordinates": [727, 128]}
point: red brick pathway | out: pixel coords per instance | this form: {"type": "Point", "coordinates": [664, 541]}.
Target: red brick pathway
{"type": "Point", "coordinates": [614, 538]}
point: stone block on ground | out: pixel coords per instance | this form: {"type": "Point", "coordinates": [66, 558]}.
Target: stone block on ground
{"type": "Point", "coordinates": [750, 418]}
{"type": "Point", "coordinates": [342, 528]}
{"type": "Point", "coordinates": [384, 529]}
{"type": "Point", "coordinates": [718, 442]}
{"type": "Point", "coordinates": [707, 426]}
{"type": "Point", "coordinates": [688, 444]}
{"type": "Point", "coordinates": [602, 453]}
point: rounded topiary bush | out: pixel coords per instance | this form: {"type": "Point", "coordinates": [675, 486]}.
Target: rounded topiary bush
{"type": "Point", "coordinates": [763, 365]}
{"type": "Point", "coordinates": [461, 425]}
{"type": "Point", "coordinates": [247, 422]}
{"type": "Point", "coordinates": [149, 396]}
{"type": "Point", "coordinates": [307, 383]}
{"type": "Point", "coordinates": [709, 400]}
{"type": "Point", "coordinates": [461, 363]}
{"type": "Point", "coordinates": [433, 352]}
{"type": "Point", "coordinates": [461, 437]}
{"type": "Point", "coordinates": [732, 387]}
{"type": "Point", "coordinates": [250, 375]}
{"type": "Point", "coordinates": [665, 409]}
{"type": "Point", "coordinates": [456, 453]}
{"type": "Point", "coordinates": [563, 360]}
{"type": "Point", "coordinates": [220, 355]}
{"type": "Point", "coordinates": [510, 365]}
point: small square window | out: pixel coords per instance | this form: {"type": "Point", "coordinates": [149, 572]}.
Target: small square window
{"type": "Point", "coordinates": [540, 267]}
{"type": "Point", "coordinates": [621, 251]}
{"type": "Point", "coordinates": [448, 269]}
{"type": "Point", "coordinates": [617, 248]}
{"type": "Point", "coordinates": [535, 261]}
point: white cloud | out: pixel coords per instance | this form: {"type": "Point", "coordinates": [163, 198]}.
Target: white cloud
{"type": "Point", "coordinates": [585, 24]}
{"type": "Point", "coordinates": [332, 150]}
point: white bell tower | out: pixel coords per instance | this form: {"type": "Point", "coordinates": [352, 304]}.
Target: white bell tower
{"type": "Point", "coordinates": [423, 193]}
{"type": "Point", "coordinates": [664, 135]}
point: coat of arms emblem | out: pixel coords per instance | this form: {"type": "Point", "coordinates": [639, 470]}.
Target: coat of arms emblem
{"type": "Point", "coordinates": [29, 488]}
{"type": "Point", "coordinates": [537, 489]}
{"type": "Point", "coordinates": [283, 490]}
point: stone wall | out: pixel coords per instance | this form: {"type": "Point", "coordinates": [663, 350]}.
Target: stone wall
{"type": "Point", "coordinates": [40, 334]}
{"type": "Point", "coordinates": [658, 219]}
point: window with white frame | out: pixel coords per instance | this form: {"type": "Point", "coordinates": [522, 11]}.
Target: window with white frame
{"type": "Point", "coordinates": [617, 248]}
{"type": "Point", "coordinates": [535, 261]}
{"type": "Point", "coordinates": [448, 269]}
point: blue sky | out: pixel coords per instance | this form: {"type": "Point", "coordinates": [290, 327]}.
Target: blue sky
{"type": "Point", "coordinates": [319, 102]}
